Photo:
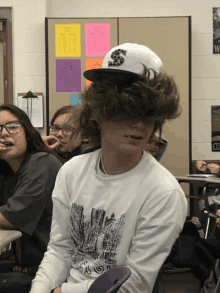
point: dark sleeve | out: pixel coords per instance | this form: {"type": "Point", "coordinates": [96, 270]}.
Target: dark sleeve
{"type": "Point", "coordinates": [32, 191]}
{"type": "Point", "coordinates": [92, 149]}
{"type": "Point", "coordinates": [218, 174]}
{"type": "Point", "coordinates": [209, 172]}
{"type": "Point", "coordinates": [202, 172]}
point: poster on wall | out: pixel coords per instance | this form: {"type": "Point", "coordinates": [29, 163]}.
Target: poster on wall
{"type": "Point", "coordinates": [215, 112]}
{"type": "Point", "coordinates": [216, 30]}
{"type": "Point", "coordinates": [75, 99]}
{"type": "Point", "coordinates": [68, 75]}
{"type": "Point", "coordinates": [92, 64]}
{"type": "Point", "coordinates": [67, 40]}
{"type": "Point", "coordinates": [97, 39]}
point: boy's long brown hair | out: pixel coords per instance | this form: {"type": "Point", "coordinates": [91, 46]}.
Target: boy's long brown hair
{"type": "Point", "coordinates": [152, 97]}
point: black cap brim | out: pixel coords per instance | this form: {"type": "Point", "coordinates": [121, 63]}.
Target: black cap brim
{"type": "Point", "coordinates": [115, 74]}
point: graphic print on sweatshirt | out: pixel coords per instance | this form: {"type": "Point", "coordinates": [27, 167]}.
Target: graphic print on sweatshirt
{"type": "Point", "coordinates": [95, 240]}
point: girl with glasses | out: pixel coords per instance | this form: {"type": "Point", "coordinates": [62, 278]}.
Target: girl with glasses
{"type": "Point", "coordinates": [27, 175]}
{"type": "Point", "coordinates": [64, 137]}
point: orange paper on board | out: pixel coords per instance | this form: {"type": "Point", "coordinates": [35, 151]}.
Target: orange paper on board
{"type": "Point", "coordinates": [92, 64]}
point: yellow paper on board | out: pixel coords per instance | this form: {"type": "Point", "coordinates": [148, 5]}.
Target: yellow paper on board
{"type": "Point", "coordinates": [92, 64]}
{"type": "Point", "coordinates": [67, 40]}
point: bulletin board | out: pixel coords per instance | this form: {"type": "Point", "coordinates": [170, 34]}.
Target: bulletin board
{"type": "Point", "coordinates": [168, 37]}
{"type": "Point", "coordinates": [66, 37]}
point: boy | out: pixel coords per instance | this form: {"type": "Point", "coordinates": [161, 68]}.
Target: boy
{"type": "Point", "coordinates": [116, 206]}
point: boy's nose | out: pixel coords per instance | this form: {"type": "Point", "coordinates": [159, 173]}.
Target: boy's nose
{"type": "Point", "coordinates": [138, 124]}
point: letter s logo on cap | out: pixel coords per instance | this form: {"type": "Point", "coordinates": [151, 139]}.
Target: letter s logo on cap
{"type": "Point", "coordinates": [118, 60]}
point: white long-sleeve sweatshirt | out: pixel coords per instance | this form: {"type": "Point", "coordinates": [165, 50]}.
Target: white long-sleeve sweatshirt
{"type": "Point", "coordinates": [101, 221]}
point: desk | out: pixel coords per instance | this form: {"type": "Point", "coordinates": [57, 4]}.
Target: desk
{"type": "Point", "coordinates": [200, 182]}
{"type": "Point", "coordinates": [215, 180]}
{"type": "Point", "coordinates": [7, 236]}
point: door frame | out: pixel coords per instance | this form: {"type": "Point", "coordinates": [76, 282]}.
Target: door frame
{"type": "Point", "coordinates": [6, 36]}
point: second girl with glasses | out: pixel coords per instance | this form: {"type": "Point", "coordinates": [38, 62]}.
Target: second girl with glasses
{"type": "Point", "coordinates": [63, 138]}
{"type": "Point", "coordinates": [156, 146]}
{"type": "Point", "coordinates": [27, 175]}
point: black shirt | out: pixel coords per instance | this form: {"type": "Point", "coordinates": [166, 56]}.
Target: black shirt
{"type": "Point", "coordinates": [26, 203]}
{"type": "Point", "coordinates": [78, 151]}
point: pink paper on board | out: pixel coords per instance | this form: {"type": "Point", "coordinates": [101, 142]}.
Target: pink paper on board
{"type": "Point", "coordinates": [97, 39]}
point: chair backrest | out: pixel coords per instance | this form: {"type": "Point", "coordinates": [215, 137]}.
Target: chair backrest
{"type": "Point", "coordinates": [183, 249]}
{"type": "Point", "coordinates": [110, 281]}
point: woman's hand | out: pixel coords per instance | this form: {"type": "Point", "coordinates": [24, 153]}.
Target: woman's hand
{"type": "Point", "coordinates": [2, 145]}
{"type": "Point", "coordinates": [51, 141]}
{"type": "Point", "coordinates": [214, 168]}
{"type": "Point", "coordinates": [57, 290]}
{"type": "Point", "coordinates": [201, 165]}
{"type": "Point", "coordinates": [22, 269]}
{"type": "Point", "coordinates": [217, 219]}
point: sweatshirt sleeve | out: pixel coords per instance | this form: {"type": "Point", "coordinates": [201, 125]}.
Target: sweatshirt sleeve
{"type": "Point", "coordinates": [55, 266]}
{"type": "Point", "coordinates": [158, 227]}
{"type": "Point", "coordinates": [32, 191]}
{"type": "Point", "coordinates": [218, 174]}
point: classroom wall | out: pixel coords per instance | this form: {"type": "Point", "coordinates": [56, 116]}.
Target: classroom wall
{"type": "Point", "coordinates": [29, 49]}
{"type": "Point", "coordinates": [1, 75]}
{"type": "Point", "coordinates": [28, 25]}
{"type": "Point", "coordinates": [205, 65]}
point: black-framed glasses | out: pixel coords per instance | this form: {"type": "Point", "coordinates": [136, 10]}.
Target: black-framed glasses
{"type": "Point", "coordinates": [11, 126]}
{"type": "Point", "coordinates": [66, 129]}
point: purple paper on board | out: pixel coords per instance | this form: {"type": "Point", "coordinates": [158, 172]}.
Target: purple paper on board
{"type": "Point", "coordinates": [68, 75]}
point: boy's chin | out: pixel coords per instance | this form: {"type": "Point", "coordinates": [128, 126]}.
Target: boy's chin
{"type": "Point", "coordinates": [132, 150]}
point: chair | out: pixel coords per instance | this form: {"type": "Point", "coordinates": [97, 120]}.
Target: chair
{"type": "Point", "coordinates": [110, 281]}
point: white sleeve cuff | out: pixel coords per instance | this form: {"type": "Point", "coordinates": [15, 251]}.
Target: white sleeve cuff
{"type": "Point", "coordinates": [41, 287]}
{"type": "Point", "coordinates": [82, 287]}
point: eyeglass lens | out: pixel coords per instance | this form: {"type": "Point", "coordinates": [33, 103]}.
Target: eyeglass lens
{"type": "Point", "coordinates": [11, 127]}
{"type": "Point", "coordinates": [67, 130]}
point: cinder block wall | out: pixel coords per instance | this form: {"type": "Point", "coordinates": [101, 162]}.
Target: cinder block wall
{"type": "Point", "coordinates": [29, 49]}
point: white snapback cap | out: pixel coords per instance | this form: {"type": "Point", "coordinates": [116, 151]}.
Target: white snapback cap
{"type": "Point", "coordinates": [126, 60]}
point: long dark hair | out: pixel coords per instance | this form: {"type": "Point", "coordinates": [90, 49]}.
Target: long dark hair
{"type": "Point", "coordinates": [35, 143]}
{"type": "Point", "coordinates": [69, 109]}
